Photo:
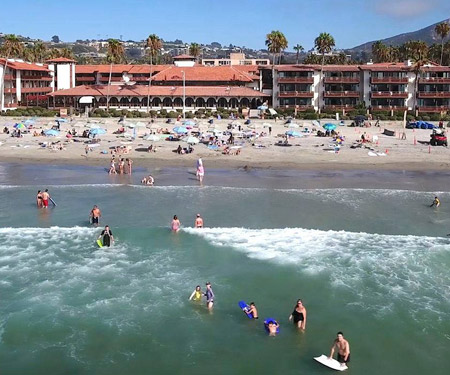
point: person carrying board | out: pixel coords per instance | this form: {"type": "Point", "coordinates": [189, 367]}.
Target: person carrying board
{"type": "Point", "coordinates": [343, 348]}
{"type": "Point", "coordinates": [106, 236]}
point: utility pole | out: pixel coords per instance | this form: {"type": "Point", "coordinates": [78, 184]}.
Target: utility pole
{"type": "Point", "coordinates": [184, 95]}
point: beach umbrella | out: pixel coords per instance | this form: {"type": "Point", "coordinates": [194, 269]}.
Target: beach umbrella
{"type": "Point", "coordinates": [180, 130]}
{"type": "Point", "coordinates": [294, 125]}
{"type": "Point", "coordinates": [20, 126]}
{"type": "Point", "coordinates": [61, 120]}
{"type": "Point", "coordinates": [97, 131]}
{"type": "Point", "coordinates": [293, 133]}
{"type": "Point", "coordinates": [51, 133]}
{"type": "Point", "coordinates": [30, 122]}
{"type": "Point", "coordinates": [189, 122]}
{"type": "Point", "coordinates": [191, 140]}
{"type": "Point", "coordinates": [153, 138]}
{"type": "Point", "coordinates": [316, 123]}
{"type": "Point", "coordinates": [262, 107]}
{"type": "Point", "coordinates": [329, 126]}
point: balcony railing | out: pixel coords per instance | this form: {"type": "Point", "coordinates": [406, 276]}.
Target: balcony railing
{"type": "Point", "coordinates": [295, 94]}
{"type": "Point", "coordinates": [341, 79]}
{"type": "Point", "coordinates": [341, 94]}
{"type": "Point", "coordinates": [113, 79]}
{"type": "Point", "coordinates": [389, 94]}
{"type": "Point", "coordinates": [296, 79]}
{"type": "Point", "coordinates": [389, 107]}
{"type": "Point", "coordinates": [441, 108]}
{"type": "Point", "coordinates": [35, 78]}
{"type": "Point", "coordinates": [339, 107]}
{"type": "Point", "coordinates": [298, 107]}
{"type": "Point", "coordinates": [433, 94]}
{"type": "Point", "coordinates": [425, 80]}
{"type": "Point", "coordinates": [10, 90]}
{"type": "Point", "coordinates": [11, 105]}
{"type": "Point", "coordinates": [389, 79]}
{"type": "Point", "coordinates": [9, 77]}
{"type": "Point", "coordinates": [26, 90]}
{"type": "Point", "coordinates": [85, 79]}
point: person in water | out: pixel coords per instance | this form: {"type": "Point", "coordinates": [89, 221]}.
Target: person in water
{"type": "Point", "coordinates": [273, 327]}
{"type": "Point", "coordinates": [106, 236]}
{"type": "Point", "coordinates": [436, 202]}
{"type": "Point", "coordinates": [199, 221]}
{"type": "Point", "coordinates": [343, 348]}
{"type": "Point", "coordinates": [252, 310]}
{"type": "Point", "coordinates": [39, 202]}
{"type": "Point", "coordinates": [175, 224]}
{"type": "Point", "coordinates": [200, 170]}
{"type": "Point", "coordinates": [196, 294]}
{"type": "Point", "coordinates": [45, 198]}
{"type": "Point", "coordinates": [95, 215]}
{"type": "Point", "coordinates": [209, 296]}
{"type": "Point", "coordinates": [298, 316]}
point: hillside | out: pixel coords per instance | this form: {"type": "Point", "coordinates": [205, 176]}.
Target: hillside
{"type": "Point", "coordinates": [426, 34]}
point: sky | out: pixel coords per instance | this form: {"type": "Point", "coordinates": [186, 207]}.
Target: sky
{"type": "Point", "coordinates": [239, 22]}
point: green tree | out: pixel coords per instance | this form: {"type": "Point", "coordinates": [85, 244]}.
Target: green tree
{"type": "Point", "coordinates": [12, 46]}
{"type": "Point", "coordinates": [299, 49]}
{"type": "Point", "coordinates": [380, 52]}
{"type": "Point", "coordinates": [55, 39]}
{"type": "Point", "coordinates": [116, 52]}
{"type": "Point", "coordinates": [324, 43]}
{"type": "Point", "coordinates": [419, 60]}
{"type": "Point", "coordinates": [276, 42]}
{"type": "Point", "coordinates": [442, 29]}
{"type": "Point", "coordinates": [154, 45]}
{"type": "Point", "coordinates": [195, 50]}
{"type": "Point", "coordinates": [39, 51]}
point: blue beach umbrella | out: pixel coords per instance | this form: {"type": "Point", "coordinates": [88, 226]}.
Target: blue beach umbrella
{"type": "Point", "coordinates": [293, 133]}
{"type": "Point", "coordinates": [29, 122]}
{"type": "Point", "coordinates": [180, 130]}
{"type": "Point", "coordinates": [97, 131]}
{"type": "Point", "coordinates": [51, 133]}
{"type": "Point", "coordinates": [189, 123]}
{"type": "Point", "coordinates": [329, 126]}
{"type": "Point", "coordinates": [262, 107]}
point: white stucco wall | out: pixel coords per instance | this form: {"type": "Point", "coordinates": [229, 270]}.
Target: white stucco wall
{"type": "Point", "coordinates": [317, 88]}
{"type": "Point", "coordinates": [410, 89]}
{"type": "Point", "coordinates": [63, 73]}
{"type": "Point", "coordinates": [366, 87]}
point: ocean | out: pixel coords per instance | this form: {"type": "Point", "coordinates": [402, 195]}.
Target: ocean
{"type": "Point", "coordinates": [363, 250]}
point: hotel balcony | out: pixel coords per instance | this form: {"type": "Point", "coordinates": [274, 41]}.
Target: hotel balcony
{"type": "Point", "coordinates": [11, 105]}
{"type": "Point", "coordinates": [295, 94]}
{"type": "Point", "coordinates": [9, 77]}
{"type": "Point", "coordinates": [113, 79]}
{"type": "Point", "coordinates": [433, 94]}
{"type": "Point", "coordinates": [375, 80]}
{"type": "Point", "coordinates": [296, 80]}
{"type": "Point", "coordinates": [389, 108]}
{"type": "Point", "coordinates": [10, 90]}
{"type": "Point", "coordinates": [299, 107]}
{"type": "Point", "coordinates": [139, 79]}
{"type": "Point", "coordinates": [341, 94]}
{"type": "Point", "coordinates": [85, 79]}
{"type": "Point", "coordinates": [341, 80]}
{"type": "Point", "coordinates": [389, 94]}
{"type": "Point", "coordinates": [431, 80]}
{"type": "Point", "coordinates": [438, 109]}
{"type": "Point", "coordinates": [35, 78]}
{"type": "Point", "coordinates": [339, 107]}
{"type": "Point", "coordinates": [26, 90]}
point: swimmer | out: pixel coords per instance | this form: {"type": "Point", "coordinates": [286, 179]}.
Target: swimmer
{"type": "Point", "coordinates": [272, 327]}
{"type": "Point", "coordinates": [45, 198]}
{"type": "Point", "coordinates": [149, 180]}
{"type": "Point", "coordinates": [106, 236]}
{"type": "Point", "coordinates": [343, 347]}
{"type": "Point", "coordinates": [175, 224]}
{"type": "Point", "coordinates": [209, 296]}
{"type": "Point", "coordinates": [196, 294]}
{"type": "Point", "coordinates": [252, 310]}
{"type": "Point", "coordinates": [436, 202]}
{"type": "Point", "coordinates": [199, 221]}
{"type": "Point", "coordinates": [39, 203]}
{"type": "Point", "coordinates": [298, 316]}
{"type": "Point", "coordinates": [95, 215]}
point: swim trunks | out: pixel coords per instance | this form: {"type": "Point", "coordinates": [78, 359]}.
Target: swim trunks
{"type": "Point", "coordinates": [45, 202]}
{"type": "Point", "coordinates": [340, 358]}
{"type": "Point", "coordinates": [94, 220]}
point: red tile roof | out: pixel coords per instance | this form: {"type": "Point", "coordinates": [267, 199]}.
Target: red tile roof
{"type": "Point", "coordinates": [61, 59]}
{"type": "Point", "coordinates": [119, 68]}
{"type": "Point", "coordinates": [341, 68]}
{"type": "Point", "coordinates": [17, 65]}
{"type": "Point", "coordinates": [183, 57]}
{"type": "Point", "coordinates": [386, 67]}
{"type": "Point", "coordinates": [140, 90]}
{"type": "Point", "coordinates": [292, 68]}
{"type": "Point", "coordinates": [202, 74]}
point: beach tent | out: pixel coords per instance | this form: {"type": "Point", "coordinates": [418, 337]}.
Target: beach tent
{"type": "Point", "coordinates": [97, 131]}
{"type": "Point", "coordinates": [293, 133]}
{"type": "Point", "coordinates": [189, 123]}
{"type": "Point", "coordinates": [294, 125]}
{"type": "Point", "coordinates": [51, 133]}
{"type": "Point", "coordinates": [180, 130]}
{"type": "Point", "coordinates": [315, 123]}
{"type": "Point", "coordinates": [153, 138]}
{"type": "Point", "coordinates": [191, 140]}
{"type": "Point", "coordinates": [329, 126]}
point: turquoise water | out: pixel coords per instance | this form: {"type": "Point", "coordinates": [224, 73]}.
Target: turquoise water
{"type": "Point", "coordinates": [373, 263]}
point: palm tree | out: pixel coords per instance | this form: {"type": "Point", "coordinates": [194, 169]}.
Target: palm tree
{"type": "Point", "coordinates": [442, 29]}
{"type": "Point", "coordinates": [276, 42]}
{"type": "Point", "coordinates": [299, 49]}
{"type": "Point", "coordinates": [12, 47]}
{"type": "Point", "coordinates": [116, 52]}
{"type": "Point", "coordinates": [324, 43]}
{"type": "Point", "coordinates": [420, 59]}
{"type": "Point", "coordinates": [39, 51]}
{"type": "Point", "coordinates": [154, 44]}
{"type": "Point", "coordinates": [195, 50]}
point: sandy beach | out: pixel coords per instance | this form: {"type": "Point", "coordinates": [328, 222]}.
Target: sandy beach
{"type": "Point", "coordinates": [307, 152]}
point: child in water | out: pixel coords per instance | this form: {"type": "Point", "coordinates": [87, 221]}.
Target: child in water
{"type": "Point", "coordinates": [196, 294]}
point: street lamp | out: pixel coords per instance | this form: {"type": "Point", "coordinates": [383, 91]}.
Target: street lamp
{"type": "Point", "coordinates": [184, 94]}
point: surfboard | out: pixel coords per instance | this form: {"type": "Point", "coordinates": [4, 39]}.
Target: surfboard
{"type": "Point", "coordinates": [100, 242]}
{"type": "Point", "coordinates": [331, 363]}
{"type": "Point", "coordinates": [244, 307]}
{"type": "Point", "coordinates": [51, 200]}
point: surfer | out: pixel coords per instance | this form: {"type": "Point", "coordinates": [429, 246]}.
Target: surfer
{"type": "Point", "coordinates": [199, 221]}
{"type": "Point", "coordinates": [45, 198]}
{"type": "Point", "coordinates": [436, 202]}
{"type": "Point", "coordinates": [252, 310]}
{"type": "Point", "coordinates": [95, 215]}
{"type": "Point", "coordinates": [106, 236]}
{"type": "Point", "coordinates": [298, 316]}
{"type": "Point", "coordinates": [343, 348]}
{"type": "Point", "coordinates": [39, 199]}
{"type": "Point", "coordinates": [209, 296]}
{"type": "Point", "coordinates": [273, 327]}
{"type": "Point", "coordinates": [175, 224]}
{"type": "Point", "coordinates": [196, 294]}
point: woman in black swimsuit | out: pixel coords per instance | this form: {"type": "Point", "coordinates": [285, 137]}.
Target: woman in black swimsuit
{"type": "Point", "coordinates": [298, 316]}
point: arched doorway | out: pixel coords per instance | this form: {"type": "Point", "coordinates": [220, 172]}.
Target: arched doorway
{"type": "Point", "coordinates": [211, 102]}
{"type": "Point", "coordinates": [156, 102]}
{"type": "Point", "coordinates": [189, 102]}
{"type": "Point", "coordinates": [167, 102]}
{"type": "Point", "coordinates": [222, 103]}
{"type": "Point", "coordinates": [258, 102]}
{"type": "Point", "coordinates": [245, 102]}
{"type": "Point", "coordinates": [253, 103]}
{"type": "Point", "coordinates": [135, 102]}
{"type": "Point", "coordinates": [178, 102]}
{"type": "Point", "coordinates": [113, 102]}
{"type": "Point", "coordinates": [200, 103]}
{"type": "Point", "coordinates": [101, 102]}
{"type": "Point", "coordinates": [233, 103]}
{"type": "Point", "coordinates": [124, 102]}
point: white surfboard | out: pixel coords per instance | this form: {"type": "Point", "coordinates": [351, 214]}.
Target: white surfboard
{"type": "Point", "coordinates": [331, 363]}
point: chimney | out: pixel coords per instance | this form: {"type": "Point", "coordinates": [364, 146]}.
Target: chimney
{"type": "Point", "coordinates": [370, 62]}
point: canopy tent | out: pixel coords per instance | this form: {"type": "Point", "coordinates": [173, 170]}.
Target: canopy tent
{"type": "Point", "coordinates": [86, 100]}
